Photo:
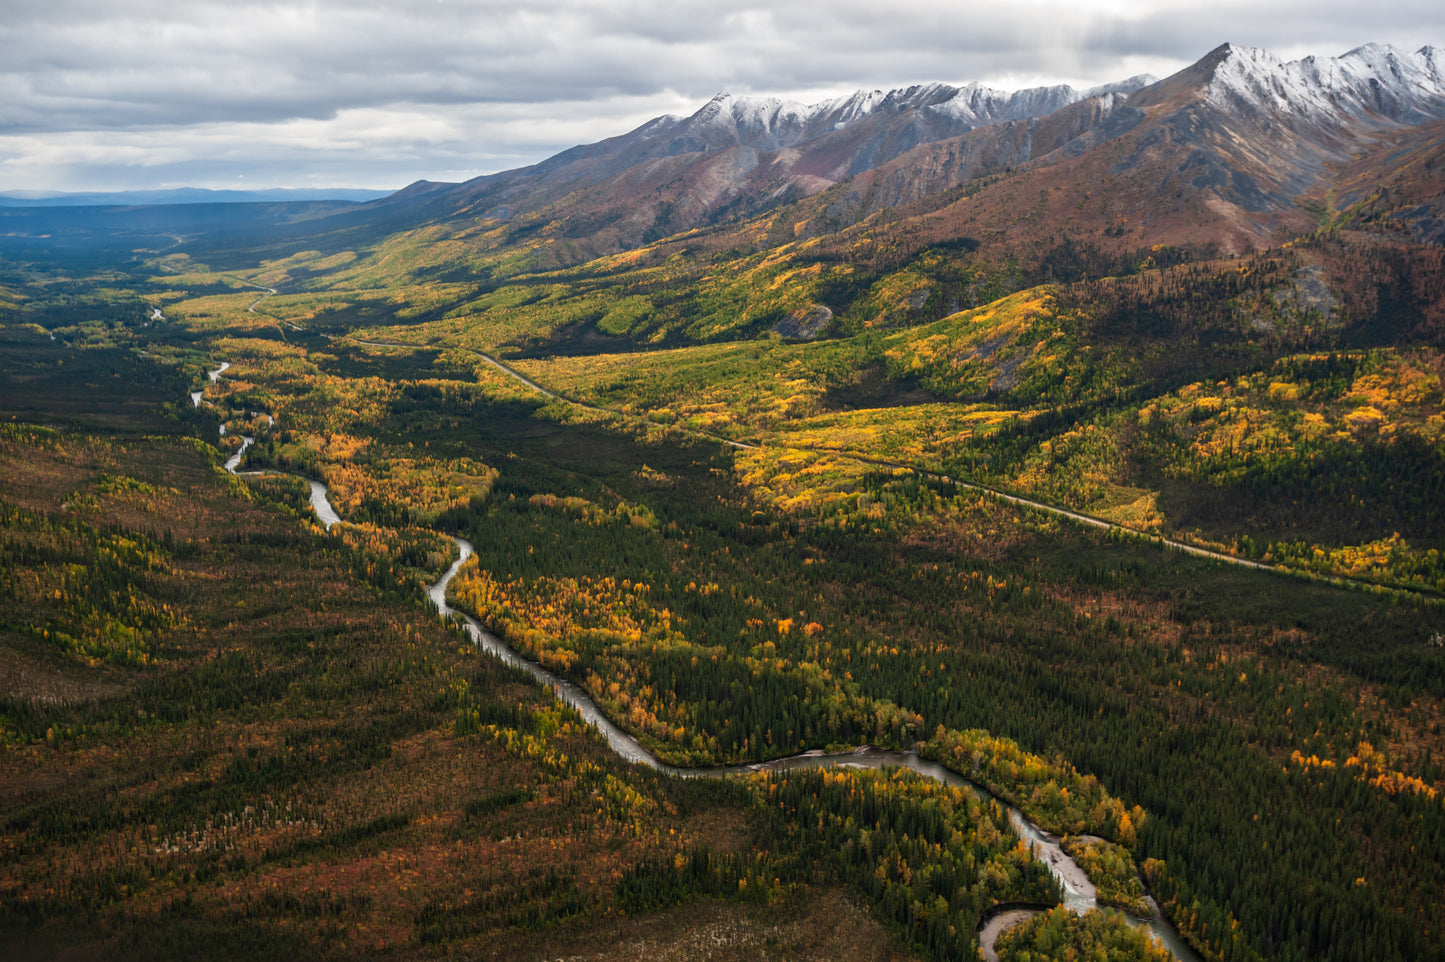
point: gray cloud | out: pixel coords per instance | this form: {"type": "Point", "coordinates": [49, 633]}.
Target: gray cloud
{"type": "Point", "coordinates": [380, 92]}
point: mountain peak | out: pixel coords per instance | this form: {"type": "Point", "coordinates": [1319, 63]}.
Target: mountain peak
{"type": "Point", "coordinates": [1136, 82]}
{"type": "Point", "coordinates": [771, 123]}
{"type": "Point", "coordinates": [1372, 79]}
{"type": "Point", "coordinates": [1220, 54]}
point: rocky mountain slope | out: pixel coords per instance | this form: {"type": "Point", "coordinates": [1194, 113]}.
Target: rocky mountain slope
{"type": "Point", "coordinates": [1229, 151]}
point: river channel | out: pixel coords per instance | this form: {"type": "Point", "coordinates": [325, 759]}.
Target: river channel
{"type": "Point", "coordinates": [1079, 892]}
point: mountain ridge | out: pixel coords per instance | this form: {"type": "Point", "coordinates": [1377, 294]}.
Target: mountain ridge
{"type": "Point", "coordinates": [762, 120]}
{"type": "Point", "coordinates": [1371, 78]}
{"type": "Point", "coordinates": [1233, 142]}
{"type": "Point", "coordinates": [845, 136]}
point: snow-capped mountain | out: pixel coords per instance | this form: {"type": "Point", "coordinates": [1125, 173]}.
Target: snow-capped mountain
{"type": "Point", "coordinates": [1238, 149]}
{"type": "Point", "coordinates": [760, 151]}
{"type": "Point", "coordinates": [1223, 151]}
{"type": "Point", "coordinates": [1373, 80]}
{"type": "Point", "coordinates": [772, 124]}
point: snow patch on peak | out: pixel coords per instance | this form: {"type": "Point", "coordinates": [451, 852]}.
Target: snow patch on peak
{"type": "Point", "coordinates": [762, 120]}
{"type": "Point", "coordinates": [977, 105]}
{"type": "Point", "coordinates": [927, 94]}
{"type": "Point", "coordinates": [1136, 82]}
{"type": "Point", "coordinates": [765, 121]}
{"type": "Point", "coordinates": [1370, 79]}
{"type": "Point", "coordinates": [656, 124]}
{"type": "Point", "coordinates": [771, 123]}
{"type": "Point", "coordinates": [845, 110]}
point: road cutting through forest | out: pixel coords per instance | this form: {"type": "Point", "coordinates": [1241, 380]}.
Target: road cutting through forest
{"type": "Point", "coordinates": [1076, 516]}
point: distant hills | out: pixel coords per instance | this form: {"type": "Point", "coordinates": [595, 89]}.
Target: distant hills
{"type": "Point", "coordinates": [182, 195]}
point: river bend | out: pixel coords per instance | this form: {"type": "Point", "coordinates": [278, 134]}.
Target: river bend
{"type": "Point", "coordinates": [1079, 892]}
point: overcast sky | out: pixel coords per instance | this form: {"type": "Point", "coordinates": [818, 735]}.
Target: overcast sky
{"type": "Point", "coordinates": [115, 94]}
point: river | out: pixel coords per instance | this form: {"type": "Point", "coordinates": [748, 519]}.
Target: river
{"type": "Point", "coordinates": [325, 513]}
{"type": "Point", "coordinates": [213, 376]}
{"type": "Point", "coordinates": [1079, 892]}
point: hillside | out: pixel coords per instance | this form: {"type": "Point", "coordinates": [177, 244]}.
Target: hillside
{"type": "Point", "coordinates": [1091, 443]}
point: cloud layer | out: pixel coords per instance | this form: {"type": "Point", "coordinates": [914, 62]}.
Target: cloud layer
{"type": "Point", "coordinates": [144, 93]}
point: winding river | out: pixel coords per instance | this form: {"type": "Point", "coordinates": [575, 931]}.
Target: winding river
{"type": "Point", "coordinates": [325, 513]}
{"type": "Point", "coordinates": [1079, 892]}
